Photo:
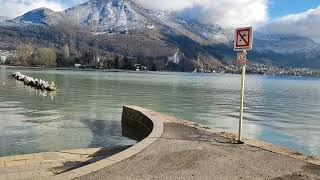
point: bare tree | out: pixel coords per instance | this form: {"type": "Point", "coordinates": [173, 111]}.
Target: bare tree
{"type": "Point", "coordinates": [45, 57]}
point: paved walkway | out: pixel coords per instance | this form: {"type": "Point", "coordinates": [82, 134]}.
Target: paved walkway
{"type": "Point", "coordinates": [185, 152]}
{"type": "Point", "coordinates": [47, 165]}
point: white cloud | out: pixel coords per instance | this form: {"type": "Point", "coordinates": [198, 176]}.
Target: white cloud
{"type": "Point", "coordinates": [167, 5]}
{"type": "Point", "coordinates": [304, 24]}
{"type": "Point", "coordinates": [13, 8]}
{"type": "Point", "coordinates": [227, 13]}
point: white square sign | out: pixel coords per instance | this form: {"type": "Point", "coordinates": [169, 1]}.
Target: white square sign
{"type": "Point", "coordinates": [243, 39]}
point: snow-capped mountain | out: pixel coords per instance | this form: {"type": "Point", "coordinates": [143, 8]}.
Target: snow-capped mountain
{"type": "Point", "coordinates": [97, 15]}
{"type": "Point", "coordinates": [119, 15]}
{"type": "Point", "coordinates": [155, 33]}
{"type": "Point", "coordinates": [41, 16]}
{"type": "Point", "coordinates": [102, 15]}
{"type": "Point", "coordinates": [287, 49]}
{"type": "Point", "coordinates": [284, 43]}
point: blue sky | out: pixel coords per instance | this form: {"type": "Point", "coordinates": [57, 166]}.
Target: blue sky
{"type": "Point", "coordinates": [279, 8]}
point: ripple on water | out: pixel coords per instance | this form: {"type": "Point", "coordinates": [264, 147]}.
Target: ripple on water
{"type": "Point", "coordinates": [86, 109]}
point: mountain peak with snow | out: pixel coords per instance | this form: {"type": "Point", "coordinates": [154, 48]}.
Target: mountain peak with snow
{"type": "Point", "coordinates": [165, 29]}
{"type": "Point", "coordinates": [102, 15]}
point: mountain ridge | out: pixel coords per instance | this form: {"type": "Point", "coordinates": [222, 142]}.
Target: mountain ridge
{"type": "Point", "coordinates": [119, 21]}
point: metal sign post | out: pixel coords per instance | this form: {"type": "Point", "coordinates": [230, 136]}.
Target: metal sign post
{"type": "Point", "coordinates": [242, 43]}
{"type": "Point", "coordinates": [242, 60]}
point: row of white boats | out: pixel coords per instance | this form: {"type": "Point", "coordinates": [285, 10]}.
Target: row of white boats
{"type": "Point", "coordinates": [36, 83]}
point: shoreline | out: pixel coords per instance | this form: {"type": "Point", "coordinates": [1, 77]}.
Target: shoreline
{"type": "Point", "coordinates": [159, 129]}
{"type": "Point", "coordinates": [250, 140]}
{"type": "Point", "coordinates": [125, 70]}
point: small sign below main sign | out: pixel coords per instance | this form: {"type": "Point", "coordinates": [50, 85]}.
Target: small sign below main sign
{"type": "Point", "coordinates": [241, 58]}
{"type": "Point", "coordinates": [243, 39]}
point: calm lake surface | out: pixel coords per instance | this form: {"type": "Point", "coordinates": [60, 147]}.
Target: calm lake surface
{"type": "Point", "coordinates": [86, 109]}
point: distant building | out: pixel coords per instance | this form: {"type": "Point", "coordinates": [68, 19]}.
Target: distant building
{"type": "Point", "coordinates": [3, 59]}
{"type": "Point", "coordinates": [139, 67]}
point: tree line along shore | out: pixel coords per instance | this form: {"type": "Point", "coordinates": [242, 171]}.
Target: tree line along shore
{"type": "Point", "coordinates": [28, 55]}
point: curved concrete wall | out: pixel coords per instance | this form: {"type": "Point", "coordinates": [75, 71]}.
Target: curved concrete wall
{"type": "Point", "coordinates": [134, 119]}
{"type": "Point", "coordinates": [147, 124]}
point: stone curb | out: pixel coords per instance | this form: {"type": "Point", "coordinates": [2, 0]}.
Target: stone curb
{"type": "Point", "coordinates": [282, 151]}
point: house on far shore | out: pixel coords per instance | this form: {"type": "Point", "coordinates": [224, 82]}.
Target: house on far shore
{"type": "Point", "coordinates": [77, 65]}
{"type": "Point", "coordinates": [139, 67]}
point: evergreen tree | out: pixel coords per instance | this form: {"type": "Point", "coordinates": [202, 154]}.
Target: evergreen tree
{"type": "Point", "coordinates": [153, 67]}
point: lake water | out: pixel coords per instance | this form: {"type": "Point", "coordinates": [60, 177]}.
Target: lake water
{"type": "Point", "coordinates": [86, 109]}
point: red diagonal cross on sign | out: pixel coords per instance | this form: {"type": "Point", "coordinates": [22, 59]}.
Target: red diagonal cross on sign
{"type": "Point", "coordinates": [243, 39]}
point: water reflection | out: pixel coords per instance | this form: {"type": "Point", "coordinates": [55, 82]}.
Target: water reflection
{"type": "Point", "coordinates": [106, 132]}
{"type": "Point", "coordinates": [86, 109]}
